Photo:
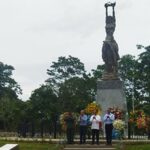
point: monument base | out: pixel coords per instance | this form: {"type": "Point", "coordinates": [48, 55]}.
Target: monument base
{"type": "Point", "coordinates": [111, 93]}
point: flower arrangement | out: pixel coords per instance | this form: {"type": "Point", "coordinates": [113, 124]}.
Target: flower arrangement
{"type": "Point", "coordinates": [135, 114]}
{"type": "Point", "coordinates": [138, 119]}
{"type": "Point", "coordinates": [118, 124]}
{"type": "Point", "coordinates": [132, 117]}
{"type": "Point", "coordinates": [119, 114]}
{"type": "Point", "coordinates": [64, 115]}
{"type": "Point", "coordinates": [62, 118]}
{"type": "Point", "coordinates": [119, 127]}
{"type": "Point", "coordinates": [141, 123]}
{"type": "Point", "coordinates": [147, 123]}
{"type": "Point", "coordinates": [91, 107]}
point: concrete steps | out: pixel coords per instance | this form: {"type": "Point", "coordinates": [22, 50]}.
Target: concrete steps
{"type": "Point", "coordinates": [89, 147]}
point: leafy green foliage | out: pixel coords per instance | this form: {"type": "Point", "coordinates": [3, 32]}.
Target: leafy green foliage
{"type": "Point", "coordinates": [127, 71]}
{"type": "Point", "coordinates": [144, 76]}
{"type": "Point", "coordinates": [9, 90]}
{"type": "Point", "coordinates": [9, 112]}
{"type": "Point", "coordinates": [68, 78]}
{"type": "Point", "coordinates": [43, 102]}
{"type": "Point", "coordinates": [8, 86]}
{"type": "Point", "coordinates": [144, 70]}
{"type": "Point", "coordinates": [97, 73]}
{"type": "Point", "coordinates": [70, 88]}
{"type": "Point", "coordinates": [64, 69]}
{"type": "Point", "coordinates": [74, 94]}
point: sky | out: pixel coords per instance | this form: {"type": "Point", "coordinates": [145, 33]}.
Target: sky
{"type": "Point", "coordinates": [34, 33]}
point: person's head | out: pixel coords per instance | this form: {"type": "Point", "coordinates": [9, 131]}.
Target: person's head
{"type": "Point", "coordinates": [94, 111]}
{"type": "Point", "coordinates": [82, 112]}
{"type": "Point", "coordinates": [69, 113]}
{"type": "Point", "coordinates": [109, 110]}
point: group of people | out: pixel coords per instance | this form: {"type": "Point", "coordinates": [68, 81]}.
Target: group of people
{"type": "Point", "coordinates": [95, 123]}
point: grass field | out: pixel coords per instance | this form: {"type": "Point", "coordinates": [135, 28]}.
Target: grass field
{"type": "Point", "coordinates": [33, 145]}
{"type": "Point", "coordinates": [138, 147]}
{"type": "Point", "coordinates": [49, 146]}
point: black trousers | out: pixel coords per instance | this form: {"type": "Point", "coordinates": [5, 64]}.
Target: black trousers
{"type": "Point", "coordinates": [95, 133]}
{"type": "Point", "coordinates": [108, 130]}
{"type": "Point", "coordinates": [149, 134]}
{"type": "Point", "coordinates": [70, 135]}
{"type": "Point", "coordinates": [83, 134]}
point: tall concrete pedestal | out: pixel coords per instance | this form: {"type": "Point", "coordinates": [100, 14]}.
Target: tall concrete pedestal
{"type": "Point", "coordinates": [111, 93]}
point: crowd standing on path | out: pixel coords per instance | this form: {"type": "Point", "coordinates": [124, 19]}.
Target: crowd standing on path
{"type": "Point", "coordinates": [95, 123]}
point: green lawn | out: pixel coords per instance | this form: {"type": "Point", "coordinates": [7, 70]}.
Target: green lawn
{"type": "Point", "coordinates": [33, 145]}
{"type": "Point", "coordinates": [48, 146]}
{"type": "Point", "coordinates": [138, 147]}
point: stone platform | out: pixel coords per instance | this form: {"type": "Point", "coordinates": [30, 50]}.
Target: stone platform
{"type": "Point", "coordinates": [111, 93]}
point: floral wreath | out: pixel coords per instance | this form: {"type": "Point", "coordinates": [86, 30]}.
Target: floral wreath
{"type": "Point", "coordinates": [64, 115]}
{"type": "Point", "coordinates": [138, 119]}
{"type": "Point", "coordinates": [91, 107]}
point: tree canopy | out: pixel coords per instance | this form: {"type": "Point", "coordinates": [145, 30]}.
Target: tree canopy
{"type": "Point", "coordinates": [70, 87]}
{"type": "Point", "coordinates": [8, 86]}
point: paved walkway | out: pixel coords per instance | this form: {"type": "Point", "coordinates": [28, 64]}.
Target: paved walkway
{"type": "Point", "coordinates": [102, 141]}
{"type": "Point", "coordinates": [89, 147]}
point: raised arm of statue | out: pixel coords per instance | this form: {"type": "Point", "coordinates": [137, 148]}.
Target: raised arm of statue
{"type": "Point", "coordinates": [106, 6]}
{"type": "Point", "coordinates": [113, 9]}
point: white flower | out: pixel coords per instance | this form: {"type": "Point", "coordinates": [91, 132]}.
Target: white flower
{"type": "Point", "coordinates": [119, 124]}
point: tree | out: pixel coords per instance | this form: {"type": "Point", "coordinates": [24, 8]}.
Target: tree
{"type": "Point", "coordinates": [128, 70]}
{"type": "Point", "coordinates": [9, 90]}
{"type": "Point", "coordinates": [45, 107]}
{"type": "Point", "coordinates": [44, 100]}
{"type": "Point", "coordinates": [9, 114]}
{"type": "Point", "coordinates": [64, 69]}
{"type": "Point", "coordinates": [144, 76]}
{"type": "Point", "coordinates": [69, 80]}
{"type": "Point", "coordinates": [96, 75]}
{"type": "Point", "coordinates": [74, 94]}
{"type": "Point", "coordinates": [8, 86]}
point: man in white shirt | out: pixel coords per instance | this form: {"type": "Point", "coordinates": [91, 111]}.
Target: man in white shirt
{"type": "Point", "coordinates": [108, 120]}
{"type": "Point", "coordinates": [95, 120]}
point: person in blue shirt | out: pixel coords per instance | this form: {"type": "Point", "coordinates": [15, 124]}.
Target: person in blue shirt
{"type": "Point", "coordinates": [83, 126]}
{"type": "Point", "coordinates": [108, 120]}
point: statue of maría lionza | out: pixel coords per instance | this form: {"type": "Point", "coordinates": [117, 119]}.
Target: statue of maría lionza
{"type": "Point", "coordinates": [110, 47]}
